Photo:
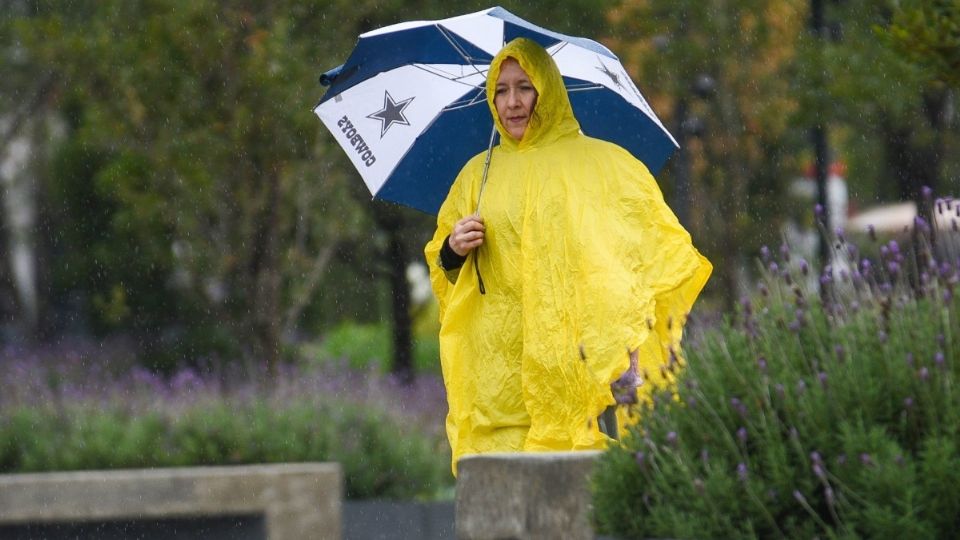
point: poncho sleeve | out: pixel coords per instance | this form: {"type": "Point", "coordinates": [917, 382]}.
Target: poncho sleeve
{"type": "Point", "coordinates": [454, 207]}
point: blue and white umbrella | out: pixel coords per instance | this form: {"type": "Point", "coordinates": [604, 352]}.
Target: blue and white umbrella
{"type": "Point", "coordinates": [409, 105]}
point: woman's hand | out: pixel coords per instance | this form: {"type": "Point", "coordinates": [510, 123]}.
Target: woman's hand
{"type": "Point", "coordinates": [467, 235]}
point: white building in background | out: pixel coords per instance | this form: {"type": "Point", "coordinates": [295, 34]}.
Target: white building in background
{"type": "Point", "coordinates": [801, 231]}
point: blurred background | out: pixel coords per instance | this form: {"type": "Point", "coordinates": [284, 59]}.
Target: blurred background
{"type": "Point", "coordinates": [168, 192]}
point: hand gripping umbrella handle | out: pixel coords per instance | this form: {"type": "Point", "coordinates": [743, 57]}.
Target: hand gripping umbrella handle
{"type": "Point", "coordinates": [483, 183]}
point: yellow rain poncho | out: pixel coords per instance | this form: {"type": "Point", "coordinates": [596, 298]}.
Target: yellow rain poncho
{"type": "Point", "coordinates": [582, 261]}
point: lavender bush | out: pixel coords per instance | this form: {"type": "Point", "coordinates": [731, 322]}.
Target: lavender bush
{"type": "Point", "coordinates": [69, 408]}
{"type": "Point", "coordinates": [823, 412]}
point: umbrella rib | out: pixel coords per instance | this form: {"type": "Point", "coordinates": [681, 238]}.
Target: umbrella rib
{"type": "Point", "coordinates": [560, 48]}
{"type": "Point", "coordinates": [463, 54]}
{"type": "Point", "coordinates": [448, 76]}
{"type": "Point", "coordinates": [586, 87]}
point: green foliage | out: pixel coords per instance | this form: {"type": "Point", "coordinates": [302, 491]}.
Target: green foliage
{"type": "Point", "coordinates": [928, 33]}
{"type": "Point", "coordinates": [379, 458]}
{"type": "Point", "coordinates": [369, 345]}
{"type": "Point", "coordinates": [831, 415]}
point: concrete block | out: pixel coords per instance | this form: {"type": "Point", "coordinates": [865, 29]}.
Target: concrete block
{"type": "Point", "coordinates": [297, 500]}
{"type": "Point", "coordinates": [524, 496]}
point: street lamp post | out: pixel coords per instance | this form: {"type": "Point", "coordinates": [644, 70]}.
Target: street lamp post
{"type": "Point", "coordinates": [819, 140]}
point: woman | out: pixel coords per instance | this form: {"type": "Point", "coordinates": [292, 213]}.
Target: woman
{"type": "Point", "coordinates": [575, 267]}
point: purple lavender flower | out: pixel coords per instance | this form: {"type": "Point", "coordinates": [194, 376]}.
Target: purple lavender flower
{"type": "Point", "coordinates": [822, 377]}
{"type": "Point", "coordinates": [799, 496]}
{"type": "Point", "coordinates": [908, 403]}
{"type": "Point", "coordinates": [704, 456]}
{"type": "Point", "coordinates": [815, 457]}
{"type": "Point", "coordinates": [818, 210]}
{"type": "Point", "coordinates": [818, 471]}
{"type": "Point", "coordinates": [774, 267]}
{"type": "Point", "coordinates": [866, 460]}
{"type": "Point", "coordinates": [785, 252]}
{"type": "Point", "coordinates": [921, 224]}
{"type": "Point", "coordinates": [804, 267]}
{"type": "Point", "coordinates": [938, 359]}
{"type": "Point", "coordinates": [739, 407]}
{"type": "Point", "coordinates": [927, 192]}
{"type": "Point", "coordinates": [742, 472]}
{"type": "Point", "coordinates": [894, 247]}
{"type": "Point", "coordinates": [641, 458]}
{"type": "Point", "coordinates": [742, 434]}
{"type": "Point", "coordinates": [801, 386]}
{"type": "Point", "coordinates": [764, 253]}
{"type": "Point", "coordinates": [924, 373]}
{"type": "Point", "coordinates": [672, 438]}
{"type": "Point", "coordinates": [840, 237]}
{"type": "Point", "coordinates": [762, 364]}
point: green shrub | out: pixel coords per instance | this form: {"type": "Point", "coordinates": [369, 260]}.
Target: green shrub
{"type": "Point", "coordinates": [812, 416]}
{"type": "Point", "coordinates": [369, 345]}
{"type": "Point", "coordinates": [70, 410]}
{"type": "Point", "coordinates": [379, 459]}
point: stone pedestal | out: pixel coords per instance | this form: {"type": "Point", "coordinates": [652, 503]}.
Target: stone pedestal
{"type": "Point", "coordinates": [524, 496]}
{"type": "Point", "coordinates": [298, 500]}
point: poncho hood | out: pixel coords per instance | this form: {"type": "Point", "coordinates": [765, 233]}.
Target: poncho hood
{"type": "Point", "coordinates": [553, 116]}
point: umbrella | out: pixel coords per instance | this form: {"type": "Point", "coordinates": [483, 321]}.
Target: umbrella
{"type": "Point", "coordinates": [409, 104]}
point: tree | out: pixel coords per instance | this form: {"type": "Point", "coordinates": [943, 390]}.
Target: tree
{"type": "Point", "coordinates": [928, 33]}
{"type": "Point", "coordinates": [745, 146]}
{"type": "Point", "coordinates": [193, 125]}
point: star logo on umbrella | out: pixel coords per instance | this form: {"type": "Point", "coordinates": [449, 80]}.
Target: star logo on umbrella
{"type": "Point", "coordinates": [392, 113]}
{"type": "Point", "coordinates": [606, 71]}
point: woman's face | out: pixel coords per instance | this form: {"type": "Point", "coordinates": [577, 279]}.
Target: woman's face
{"type": "Point", "coordinates": [515, 98]}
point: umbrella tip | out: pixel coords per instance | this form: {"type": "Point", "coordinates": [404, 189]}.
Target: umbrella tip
{"type": "Point", "coordinates": [327, 77]}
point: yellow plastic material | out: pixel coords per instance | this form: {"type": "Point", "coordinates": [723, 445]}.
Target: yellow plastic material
{"type": "Point", "coordinates": [582, 262]}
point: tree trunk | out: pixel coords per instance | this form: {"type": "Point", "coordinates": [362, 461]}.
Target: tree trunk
{"type": "Point", "coordinates": [391, 222]}
{"type": "Point", "coordinates": [264, 311]}
{"type": "Point", "coordinates": [402, 341]}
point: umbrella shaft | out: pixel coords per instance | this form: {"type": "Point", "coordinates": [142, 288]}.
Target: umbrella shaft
{"type": "Point", "coordinates": [486, 166]}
